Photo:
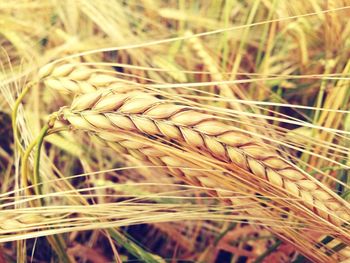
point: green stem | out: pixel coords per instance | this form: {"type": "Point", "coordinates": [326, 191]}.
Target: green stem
{"type": "Point", "coordinates": [14, 116]}
{"type": "Point", "coordinates": [133, 248]}
{"type": "Point", "coordinates": [36, 175]}
{"type": "Point", "coordinates": [268, 252]}
{"type": "Point", "coordinates": [21, 245]}
{"type": "Point", "coordinates": [221, 235]}
{"type": "Point", "coordinates": [24, 162]}
{"type": "Point", "coordinates": [56, 241]}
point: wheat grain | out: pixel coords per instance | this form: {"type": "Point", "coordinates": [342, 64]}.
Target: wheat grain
{"type": "Point", "coordinates": [176, 162]}
{"type": "Point", "coordinates": [202, 132]}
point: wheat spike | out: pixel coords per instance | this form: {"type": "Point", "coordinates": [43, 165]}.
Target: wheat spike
{"type": "Point", "coordinates": [72, 78]}
{"type": "Point", "coordinates": [147, 115]}
{"type": "Point", "coordinates": [177, 165]}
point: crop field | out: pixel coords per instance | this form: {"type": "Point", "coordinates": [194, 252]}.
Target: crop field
{"type": "Point", "coordinates": [175, 131]}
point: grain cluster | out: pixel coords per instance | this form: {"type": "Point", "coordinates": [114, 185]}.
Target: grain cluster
{"type": "Point", "coordinates": [143, 114]}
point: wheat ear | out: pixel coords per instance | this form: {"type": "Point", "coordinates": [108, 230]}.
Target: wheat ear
{"type": "Point", "coordinates": [177, 163]}
{"type": "Point", "coordinates": [148, 115]}
{"type": "Point", "coordinates": [78, 79]}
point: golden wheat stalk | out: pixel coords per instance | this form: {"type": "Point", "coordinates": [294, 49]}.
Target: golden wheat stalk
{"type": "Point", "coordinates": [148, 115]}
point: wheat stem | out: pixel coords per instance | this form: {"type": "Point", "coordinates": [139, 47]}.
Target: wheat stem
{"type": "Point", "coordinates": [14, 116]}
{"type": "Point", "coordinates": [36, 173]}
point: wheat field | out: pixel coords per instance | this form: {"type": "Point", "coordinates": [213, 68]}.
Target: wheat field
{"type": "Point", "coordinates": [175, 131]}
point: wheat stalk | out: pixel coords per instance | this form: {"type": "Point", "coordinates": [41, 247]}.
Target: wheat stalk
{"type": "Point", "coordinates": [148, 115]}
